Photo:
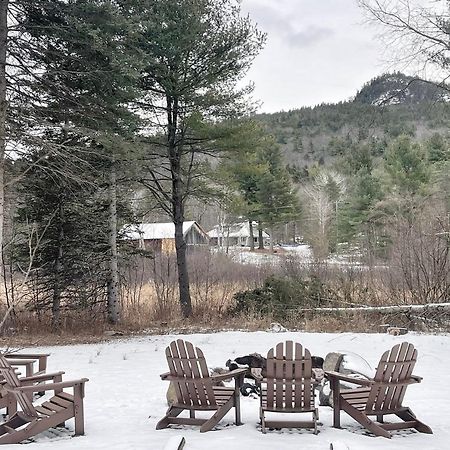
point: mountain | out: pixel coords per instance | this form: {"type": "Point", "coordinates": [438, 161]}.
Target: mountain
{"type": "Point", "coordinates": [386, 107]}
{"type": "Point", "coordinates": [396, 88]}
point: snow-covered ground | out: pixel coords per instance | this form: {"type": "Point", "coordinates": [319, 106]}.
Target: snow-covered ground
{"type": "Point", "coordinates": [125, 397]}
{"type": "Point", "coordinates": [245, 256]}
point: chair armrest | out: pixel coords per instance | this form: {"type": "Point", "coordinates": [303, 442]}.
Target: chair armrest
{"type": "Point", "coordinates": [165, 375]}
{"type": "Point", "coordinates": [416, 378]}
{"type": "Point", "coordinates": [231, 374]}
{"type": "Point", "coordinates": [40, 357]}
{"type": "Point", "coordinates": [348, 379]}
{"type": "Point", "coordinates": [20, 361]}
{"type": "Point", "coordinates": [41, 377]}
{"type": "Point", "coordinates": [47, 386]}
{"type": "Point", "coordinates": [26, 355]}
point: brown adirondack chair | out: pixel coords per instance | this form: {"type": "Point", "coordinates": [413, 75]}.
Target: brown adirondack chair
{"type": "Point", "coordinates": [18, 360]}
{"type": "Point", "coordinates": [196, 390]}
{"type": "Point", "coordinates": [33, 419]}
{"type": "Point", "coordinates": [288, 386]}
{"type": "Point", "coordinates": [383, 395]}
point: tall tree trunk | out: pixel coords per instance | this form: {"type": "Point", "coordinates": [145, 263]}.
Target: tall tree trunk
{"type": "Point", "coordinates": [252, 239]}
{"type": "Point", "coordinates": [113, 282]}
{"type": "Point", "coordinates": [57, 289]}
{"type": "Point", "coordinates": [260, 237]}
{"type": "Point", "coordinates": [175, 152]}
{"type": "Point", "coordinates": [271, 238]}
{"type": "Point", "coordinates": [183, 275]}
{"type": "Point", "coordinates": [3, 111]}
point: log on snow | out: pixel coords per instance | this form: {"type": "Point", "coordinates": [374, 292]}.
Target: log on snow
{"type": "Point", "coordinates": [429, 307]}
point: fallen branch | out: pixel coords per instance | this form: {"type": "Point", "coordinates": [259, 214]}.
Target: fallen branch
{"type": "Point", "coordinates": [429, 307]}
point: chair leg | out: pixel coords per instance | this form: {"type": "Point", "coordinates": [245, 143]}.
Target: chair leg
{"type": "Point", "coordinates": [218, 415]}
{"type": "Point", "coordinates": [408, 415]}
{"type": "Point", "coordinates": [237, 398]}
{"type": "Point", "coordinates": [165, 421]}
{"type": "Point", "coordinates": [263, 421]}
{"type": "Point", "coordinates": [315, 415]}
{"type": "Point", "coordinates": [362, 419]}
{"type": "Point", "coordinates": [334, 384]}
{"type": "Point", "coordinates": [78, 410]}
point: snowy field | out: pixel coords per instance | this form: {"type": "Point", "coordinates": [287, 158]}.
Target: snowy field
{"type": "Point", "coordinates": [125, 397]}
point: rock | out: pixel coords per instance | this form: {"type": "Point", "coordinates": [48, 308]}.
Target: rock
{"type": "Point", "coordinates": [332, 362]}
{"type": "Point", "coordinates": [397, 331]}
{"type": "Point", "coordinates": [175, 443]}
{"type": "Point", "coordinates": [276, 327]}
{"type": "Point", "coordinates": [171, 395]}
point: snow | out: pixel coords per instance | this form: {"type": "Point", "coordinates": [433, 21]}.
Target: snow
{"type": "Point", "coordinates": [154, 230]}
{"type": "Point", "coordinates": [243, 255]}
{"type": "Point", "coordinates": [125, 396]}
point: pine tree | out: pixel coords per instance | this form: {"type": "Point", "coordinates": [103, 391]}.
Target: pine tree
{"type": "Point", "coordinates": [275, 196]}
{"type": "Point", "coordinates": [82, 50]}
{"type": "Point", "coordinates": [194, 54]}
{"type": "Point", "coordinates": [406, 166]}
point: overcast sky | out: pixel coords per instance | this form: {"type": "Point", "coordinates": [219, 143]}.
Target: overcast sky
{"type": "Point", "coordinates": [317, 51]}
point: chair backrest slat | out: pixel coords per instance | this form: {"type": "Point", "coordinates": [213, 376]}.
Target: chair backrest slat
{"type": "Point", "coordinates": [289, 377]}
{"type": "Point", "coordinates": [393, 372]}
{"type": "Point", "coordinates": [187, 363]}
{"type": "Point", "coordinates": [197, 372]}
{"type": "Point", "coordinates": [13, 381]}
{"type": "Point", "coordinates": [289, 374]}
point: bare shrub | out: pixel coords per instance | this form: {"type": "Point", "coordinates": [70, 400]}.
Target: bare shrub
{"type": "Point", "coordinates": [215, 278]}
{"type": "Point", "coordinates": [420, 259]}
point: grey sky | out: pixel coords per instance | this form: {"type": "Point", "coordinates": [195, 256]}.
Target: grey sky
{"type": "Point", "coordinates": [317, 51]}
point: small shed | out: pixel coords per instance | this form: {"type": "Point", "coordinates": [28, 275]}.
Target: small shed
{"type": "Point", "coordinates": [236, 234]}
{"type": "Point", "coordinates": [160, 237]}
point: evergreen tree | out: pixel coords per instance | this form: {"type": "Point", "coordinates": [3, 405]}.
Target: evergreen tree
{"type": "Point", "coordinates": [194, 52]}
{"type": "Point", "coordinates": [277, 201]}
{"type": "Point", "coordinates": [81, 49]}
{"type": "Point", "coordinates": [406, 167]}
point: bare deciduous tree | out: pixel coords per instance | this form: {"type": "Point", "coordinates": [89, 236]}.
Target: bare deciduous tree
{"type": "Point", "coordinates": [417, 33]}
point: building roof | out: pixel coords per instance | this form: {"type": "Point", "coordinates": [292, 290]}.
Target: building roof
{"type": "Point", "coordinates": [235, 230]}
{"type": "Point", "coordinates": [156, 230]}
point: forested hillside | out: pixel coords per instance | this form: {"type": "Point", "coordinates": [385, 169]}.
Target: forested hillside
{"type": "Point", "coordinates": [385, 108]}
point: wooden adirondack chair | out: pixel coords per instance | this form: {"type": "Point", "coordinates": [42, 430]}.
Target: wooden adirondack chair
{"type": "Point", "coordinates": [288, 386]}
{"type": "Point", "coordinates": [32, 420]}
{"type": "Point", "coordinates": [196, 390]}
{"type": "Point", "coordinates": [26, 360]}
{"type": "Point", "coordinates": [382, 395]}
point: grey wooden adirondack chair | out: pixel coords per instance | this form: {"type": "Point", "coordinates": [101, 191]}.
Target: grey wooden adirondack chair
{"type": "Point", "coordinates": [381, 396]}
{"type": "Point", "coordinates": [288, 386]}
{"type": "Point", "coordinates": [196, 390]}
{"type": "Point", "coordinates": [33, 419]}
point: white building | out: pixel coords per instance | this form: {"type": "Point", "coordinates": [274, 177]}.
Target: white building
{"type": "Point", "coordinates": [236, 234]}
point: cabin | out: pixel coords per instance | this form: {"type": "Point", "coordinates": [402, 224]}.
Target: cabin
{"type": "Point", "coordinates": [160, 237]}
{"type": "Point", "coordinates": [237, 234]}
